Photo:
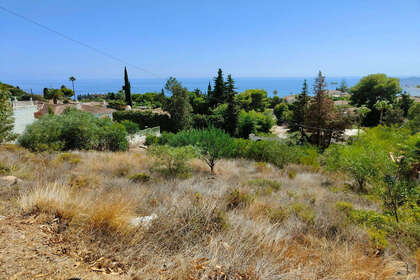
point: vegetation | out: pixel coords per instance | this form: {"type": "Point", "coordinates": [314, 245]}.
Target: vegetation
{"type": "Point", "coordinates": [127, 89]}
{"type": "Point", "coordinates": [6, 119]}
{"type": "Point", "coordinates": [74, 130]}
{"type": "Point", "coordinates": [372, 88]}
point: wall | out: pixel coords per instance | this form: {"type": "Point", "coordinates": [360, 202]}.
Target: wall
{"type": "Point", "coordinates": [23, 116]}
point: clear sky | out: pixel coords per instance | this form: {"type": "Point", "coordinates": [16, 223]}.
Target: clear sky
{"type": "Point", "coordinates": [192, 38]}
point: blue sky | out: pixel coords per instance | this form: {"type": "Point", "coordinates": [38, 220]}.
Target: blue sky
{"type": "Point", "coordinates": [190, 38]}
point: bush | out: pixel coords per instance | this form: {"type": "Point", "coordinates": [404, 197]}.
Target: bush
{"type": "Point", "coordinates": [74, 130]}
{"type": "Point", "coordinates": [172, 161]}
{"type": "Point", "coordinates": [140, 178]}
{"type": "Point", "coordinates": [130, 127]}
{"type": "Point", "coordinates": [212, 143]}
{"type": "Point", "coordinates": [253, 122]}
{"type": "Point", "coordinates": [266, 183]}
{"type": "Point", "coordinates": [281, 111]}
{"type": "Point", "coordinates": [69, 157]}
{"type": "Point", "coordinates": [238, 199]}
{"type": "Point", "coordinates": [145, 119]}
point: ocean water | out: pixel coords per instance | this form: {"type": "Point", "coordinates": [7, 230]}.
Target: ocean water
{"type": "Point", "coordinates": [284, 86]}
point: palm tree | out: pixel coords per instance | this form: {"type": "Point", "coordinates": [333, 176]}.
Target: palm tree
{"type": "Point", "coordinates": [72, 79]}
{"type": "Point", "coordinates": [361, 112]}
{"type": "Point", "coordinates": [382, 105]}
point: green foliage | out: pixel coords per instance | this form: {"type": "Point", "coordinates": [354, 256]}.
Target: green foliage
{"type": "Point", "coordinates": [405, 103]}
{"type": "Point", "coordinates": [74, 130]}
{"type": "Point", "coordinates": [238, 199]}
{"type": "Point", "coordinates": [299, 108]}
{"type": "Point", "coordinates": [414, 118]}
{"type": "Point", "coordinates": [150, 99]}
{"type": "Point", "coordinates": [372, 88]}
{"type": "Point", "coordinates": [282, 113]}
{"type": "Point", "coordinates": [127, 89]}
{"type": "Point", "coordinates": [139, 177]}
{"type": "Point", "coordinates": [179, 105]}
{"type": "Point", "coordinates": [144, 119]}
{"type": "Point", "coordinates": [20, 95]}
{"type": "Point", "coordinates": [253, 99]}
{"type": "Point", "coordinates": [130, 126]}
{"type": "Point", "coordinates": [6, 119]}
{"type": "Point", "coordinates": [212, 143]}
{"type": "Point", "coordinates": [266, 183]}
{"type": "Point", "coordinates": [253, 122]}
{"type": "Point", "coordinates": [303, 212]}
{"type": "Point", "coordinates": [69, 157]}
{"type": "Point", "coordinates": [172, 161]}
{"type": "Point", "coordinates": [218, 94]}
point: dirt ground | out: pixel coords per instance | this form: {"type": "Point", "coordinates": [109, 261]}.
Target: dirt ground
{"type": "Point", "coordinates": [33, 250]}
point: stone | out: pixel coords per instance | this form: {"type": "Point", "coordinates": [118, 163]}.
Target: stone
{"type": "Point", "coordinates": [10, 180]}
{"type": "Point", "coordinates": [143, 221]}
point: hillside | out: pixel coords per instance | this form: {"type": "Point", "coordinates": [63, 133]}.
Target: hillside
{"type": "Point", "coordinates": [77, 215]}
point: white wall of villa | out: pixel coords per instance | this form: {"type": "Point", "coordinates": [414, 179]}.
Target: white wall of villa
{"type": "Point", "coordinates": [23, 112]}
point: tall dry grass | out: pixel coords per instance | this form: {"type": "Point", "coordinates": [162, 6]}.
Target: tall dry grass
{"type": "Point", "coordinates": [288, 229]}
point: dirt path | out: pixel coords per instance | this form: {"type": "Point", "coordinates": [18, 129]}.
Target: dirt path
{"type": "Point", "coordinates": [30, 250]}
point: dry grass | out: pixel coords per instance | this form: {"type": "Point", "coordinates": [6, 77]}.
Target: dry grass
{"type": "Point", "coordinates": [250, 221]}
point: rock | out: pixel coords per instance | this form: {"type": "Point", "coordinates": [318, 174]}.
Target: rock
{"type": "Point", "coordinates": [10, 180]}
{"type": "Point", "coordinates": [143, 221]}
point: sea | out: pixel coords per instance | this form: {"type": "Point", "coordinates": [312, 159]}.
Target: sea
{"type": "Point", "coordinates": [283, 86]}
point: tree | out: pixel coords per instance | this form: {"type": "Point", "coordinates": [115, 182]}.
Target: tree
{"type": "Point", "coordinates": [218, 95]}
{"type": "Point", "coordinates": [281, 111]}
{"type": "Point", "coordinates": [179, 105]}
{"type": "Point", "coordinates": [361, 114]}
{"type": "Point", "coordinates": [72, 79]}
{"type": "Point", "coordinates": [322, 119]}
{"type": "Point", "coordinates": [232, 112]}
{"type": "Point", "coordinates": [394, 116]}
{"type": "Point", "coordinates": [343, 86]}
{"type": "Point", "coordinates": [405, 103]}
{"type": "Point", "coordinates": [382, 106]}
{"type": "Point", "coordinates": [372, 88]}
{"type": "Point", "coordinates": [299, 108]}
{"type": "Point", "coordinates": [66, 91]}
{"type": "Point", "coordinates": [54, 94]}
{"type": "Point", "coordinates": [414, 118]}
{"type": "Point", "coordinates": [253, 99]}
{"type": "Point", "coordinates": [127, 89]}
{"type": "Point", "coordinates": [6, 118]}
{"type": "Point", "coordinates": [213, 144]}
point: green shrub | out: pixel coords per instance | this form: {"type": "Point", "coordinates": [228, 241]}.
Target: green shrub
{"type": "Point", "coordinates": [74, 130]}
{"type": "Point", "coordinates": [266, 183]}
{"type": "Point", "coordinates": [291, 174]}
{"type": "Point", "coordinates": [140, 178]}
{"type": "Point", "coordinates": [304, 212]}
{"type": "Point", "coordinates": [253, 122]}
{"type": "Point", "coordinates": [70, 158]}
{"type": "Point", "coordinates": [130, 127]}
{"type": "Point", "coordinates": [4, 169]}
{"type": "Point", "coordinates": [172, 161]}
{"type": "Point", "coordinates": [278, 215]}
{"type": "Point", "coordinates": [151, 140]}
{"type": "Point", "coordinates": [145, 119]}
{"type": "Point", "coordinates": [238, 199]}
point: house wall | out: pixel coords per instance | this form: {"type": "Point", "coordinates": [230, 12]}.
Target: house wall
{"type": "Point", "coordinates": [23, 116]}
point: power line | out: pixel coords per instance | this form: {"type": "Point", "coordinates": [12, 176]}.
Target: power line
{"type": "Point", "coordinates": [92, 48]}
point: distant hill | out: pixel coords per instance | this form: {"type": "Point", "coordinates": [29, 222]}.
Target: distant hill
{"type": "Point", "coordinates": [20, 94]}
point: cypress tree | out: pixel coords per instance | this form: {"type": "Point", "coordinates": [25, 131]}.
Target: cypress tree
{"type": "Point", "coordinates": [209, 89]}
{"type": "Point", "coordinates": [299, 107]}
{"type": "Point", "coordinates": [127, 89]}
{"type": "Point", "coordinates": [218, 95]}
{"type": "Point", "coordinates": [232, 112]}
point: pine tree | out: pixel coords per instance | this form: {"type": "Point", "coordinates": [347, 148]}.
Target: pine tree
{"type": "Point", "coordinates": [322, 119]}
{"type": "Point", "coordinates": [6, 119]}
{"type": "Point", "coordinates": [179, 106]}
{"type": "Point", "coordinates": [232, 112]}
{"type": "Point", "coordinates": [127, 89]}
{"type": "Point", "coordinates": [218, 95]}
{"type": "Point", "coordinates": [299, 108]}
{"type": "Point", "coordinates": [209, 89]}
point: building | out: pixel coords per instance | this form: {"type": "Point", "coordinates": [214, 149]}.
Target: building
{"type": "Point", "coordinates": [98, 109]}
{"type": "Point", "coordinates": [24, 114]}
